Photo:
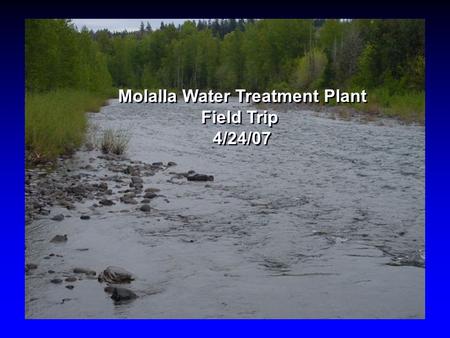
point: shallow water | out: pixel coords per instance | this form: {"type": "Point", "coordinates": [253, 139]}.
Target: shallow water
{"type": "Point", "coordinates": [325, 221]}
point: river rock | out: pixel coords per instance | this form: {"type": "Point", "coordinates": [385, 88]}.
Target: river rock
{"type": "Point", "coordinates": [152, 190]}
{"type": "Point", "coordinates": [128, 200]}
{"type": "Point", "coordinates": [87, 272]}
{"type": "Point", "coordinates": [145, 201]}
{"type": "Point", "coordinates": [85, 217]}
{"type": "Point", "coordinates": [136, 180]}
{"type": "Point", "coordinates": [102, 186]}
{"type": "Point", "coordinates": [56, 281]}
{"type": "Point", "coordinates": [70, 287]}
{"type": "Point", "coordinates": [71, 279]}
{"type": "Point", "coordinates": [106, 202]}
{"type": "Point", "coordinates": [145, 208]}
{"type": "Point", "coordinates": [30, 266]}
{"type": "Point", "coordinates": [58, 218]}
{"type": "Point", "coordinates": [150, 195]}
{"type": "Point", "coordinates": [171, 164]}
{"type": "Point", "coordinates": [114, 274]}
{"type": "Point", "coordinates": [59, 239]}
{"type": "Point", "coordinates": [200, 177]}
{"type": "Point", "coordinates": [122, 294]}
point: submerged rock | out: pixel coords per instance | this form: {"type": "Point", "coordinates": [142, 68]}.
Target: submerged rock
{"type": "Point", "coordinates": [145, 208]}
{"type": "Point", "coordinates": [137, 180]}
{"type": "Point", "coordinates": [152, 190]}
{"type": "Point", "coordinates": [122, 294]}
{"type": "Point", "coordinates": [106, 202]}
{"type": "Point", "coordinates": [150, 195]}
{"type": "Point", "coordinates": [58, 218]}
{"type": "Point", "coordinates": [200, 177]}
{"type": "Point", "coordinates": [88, 272]}
{"type": "Point", "coordinates": [56, 281]}
{"type": "Point", "coordinates": [114, 274]}
{"type": "Point", "coordinates": [59, 239]}
{"type": "Point", "coordinates": [30, 266]}
{"type": "Point", "coordinates": [85, 217]}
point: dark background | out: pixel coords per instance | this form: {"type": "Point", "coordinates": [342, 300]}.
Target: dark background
{"type": "Point", "coordinates": [12, 293]}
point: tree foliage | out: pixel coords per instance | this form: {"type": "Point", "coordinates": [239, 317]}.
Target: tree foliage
{"type": "Point", "coordinates": [224, 54]}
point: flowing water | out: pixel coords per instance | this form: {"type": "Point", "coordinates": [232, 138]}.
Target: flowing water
{"type": "Point", "coordinates": [325, 221]}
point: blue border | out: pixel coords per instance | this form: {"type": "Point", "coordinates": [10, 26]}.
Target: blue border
{"type": "Point", "coordinates": [12, 173]}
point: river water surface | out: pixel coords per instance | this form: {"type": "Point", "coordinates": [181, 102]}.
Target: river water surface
{"type": "Point", "coordinates": [325, 221]}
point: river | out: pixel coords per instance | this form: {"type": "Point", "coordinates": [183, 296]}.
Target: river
{"type": "Point", "coordinates": [326, 221]}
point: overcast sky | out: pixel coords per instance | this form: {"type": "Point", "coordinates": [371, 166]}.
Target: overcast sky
{"type": "Point", "coordinates": [122, 24]}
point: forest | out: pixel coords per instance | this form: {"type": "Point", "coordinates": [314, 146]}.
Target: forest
{"type": "Point", "coordinates": [385, 57]}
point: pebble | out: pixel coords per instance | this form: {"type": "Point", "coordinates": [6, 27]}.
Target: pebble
{"type": "Point", "coordinates": [85, 217]}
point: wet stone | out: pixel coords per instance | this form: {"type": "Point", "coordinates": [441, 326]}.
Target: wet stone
{"type": "Point", "coordinates": [71, 279]}
{"type": "Point", "coordinates": [106, 202]}
{"type": "Point", "coordinates": [200, 178]}
{"type": "Point", "coordinates": [59, 239]}
{"type": "Point", "coordinates": [87, 272]}
{"type": "Point", "coordinates": [56, 281]}
{"type": "Point", "coordinates": [128, 200]}
{"type": "Point", "coordinates": [122, 294]}
{"type": "Point", "coordinates": [145, 208]}
{"type": "Point", "coordinates": [150, 195]}
{"type": "Point", "coordinates": [70, 287]}
{"type": "Point", "coordinates": [30, 266]}
{"type": "Point", "coordinates": [58, 218]}
{"type": "Point", "coordinates": [152, 190]}
{"type": "Point", "coordinates": [137, 180]}
{"type": "Point", "coordinates": [85, 217]}
{"type": "Point", "coordinates": [114, 274]}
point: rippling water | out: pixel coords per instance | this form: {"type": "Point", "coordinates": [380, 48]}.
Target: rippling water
{"type": "Point", "coordinates": [325, 221]}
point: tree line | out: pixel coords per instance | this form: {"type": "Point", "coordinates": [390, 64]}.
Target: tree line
{"type": "Point", "coordinates": [282, 54]}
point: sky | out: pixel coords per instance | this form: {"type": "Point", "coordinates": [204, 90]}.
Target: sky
{"type": "Point", "coordinates": [122, 24]}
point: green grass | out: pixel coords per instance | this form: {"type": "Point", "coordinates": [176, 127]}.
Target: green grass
{"type": "Point", "coordinates": [55, 122]}
{"type": "Point", "coordinates": [408, 107]}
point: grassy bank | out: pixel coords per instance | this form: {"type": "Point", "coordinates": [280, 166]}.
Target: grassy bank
{"type": "Point", "coordinates": [408, 107]}
{"type": "Point", "coordinates": [55, 122]}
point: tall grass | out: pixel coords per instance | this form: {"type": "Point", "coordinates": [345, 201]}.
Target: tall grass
{"type": "Point", "coordinates": [55, 122]}
{"type": "Point", "coordinates": [114, 141]}
{"type": "Point", "coordinates": [408, 107]}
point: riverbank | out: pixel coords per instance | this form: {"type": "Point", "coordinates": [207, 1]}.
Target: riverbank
{"type": "Point", "coordinates": [55, 122]}
{"type": "Point", "coordinates": [406, 108]}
